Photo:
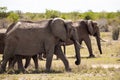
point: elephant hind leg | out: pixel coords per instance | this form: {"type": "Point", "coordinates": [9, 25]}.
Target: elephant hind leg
{"type": "Point", "coordinates": [60, 54]}
{"type": "Point", "coordinates": [27, 62]}
{"type": "Point", "coordinates": [35, 59]}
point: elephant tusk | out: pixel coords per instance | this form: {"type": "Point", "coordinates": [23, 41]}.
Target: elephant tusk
{"type": "Point", "coordinates": [103, 40]}
{"type": "Point", "coordinates": [79, 45]}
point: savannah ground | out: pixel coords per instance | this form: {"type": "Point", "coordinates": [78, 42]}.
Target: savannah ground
{"type": "Point", "coordinates": [103, 67]}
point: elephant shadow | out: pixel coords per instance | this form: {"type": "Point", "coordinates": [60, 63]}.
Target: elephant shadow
{"type": "Point", "coordinates": [37, 72]}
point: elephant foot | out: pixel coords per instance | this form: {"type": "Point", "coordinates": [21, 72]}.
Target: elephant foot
{"type": "Point", "coordinates": [68, 69]}
{"type": "Point", "coordinates": [77, 62]}
{"type": "Point", "coordinates": [2, 70]}
{"type": "Point", "coordinates": [11, 71]}
{"type": "Point", "coordinates": [47, 71]}
{"type": "Point", "coordinates": [36, 71]}
{"type": "Point", "coordinates": [23, 71]}
{"type": "Point", "coordinates": [91, 56]}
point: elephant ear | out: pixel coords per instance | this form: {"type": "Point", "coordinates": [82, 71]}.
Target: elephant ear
{"type": "Point", "coordinates": [58, 28]}
{"type": "Point", "coordinates": [90, 27]}
{"type": "Point", "coordinates": [95, 28]}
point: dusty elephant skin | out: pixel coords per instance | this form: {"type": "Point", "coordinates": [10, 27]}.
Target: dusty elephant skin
{"type": "Point", "coordinates": [85, 28]}
{"type": "Point", "coordinates": [12, 61]}
{"type": "Point", "coordinates": [29, 38]}
{"type": "Point", "coordinates": [2, 38]}
{"type": "Point", "coordinates": [89, 28]}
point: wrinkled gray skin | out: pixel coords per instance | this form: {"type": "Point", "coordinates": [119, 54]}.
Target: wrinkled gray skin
{"type": "Point", "coordinates": [44, 36]}
{"type": "Point", "coordinates": [12, 61]}
{"type": "Point", "coordinates": [2, 38]}
{"type": "Point", "coordinates": [86, 28]}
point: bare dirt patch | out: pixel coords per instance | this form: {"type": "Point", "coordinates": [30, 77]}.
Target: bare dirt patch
{"type": "Point", "coordinates": [116, 66]}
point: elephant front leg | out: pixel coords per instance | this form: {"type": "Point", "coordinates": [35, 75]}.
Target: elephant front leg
{"type": "Point", "coordinates": [35, 59]}
{"type": "Point", "coordinates": [3, 66]}
{"type": "Point", "coordinates": [60, 54]}
{"type": "Point", "coordinates": [12, 62]}
{"type": "Point", "coordinates": [49, 59]}
{"type": "Point", "coordinates": [20, 64]}
{"type": "Point", "coordinates": [4, 63]}
{"type": "Point", "coordinates": [89, 46]}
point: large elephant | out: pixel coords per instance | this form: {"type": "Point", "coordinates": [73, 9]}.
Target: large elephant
{"type": "Point", "coordinates": [86, 28]}
{"type": "Point", "coordinates": [31, 38]}
{"type": "Point", "coordinates": [12, 61]}
{"type": "Point", "coordinates": [2, 38]}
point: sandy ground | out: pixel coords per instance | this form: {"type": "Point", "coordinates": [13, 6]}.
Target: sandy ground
{"type": "Point", "coordinates": [106, 65]}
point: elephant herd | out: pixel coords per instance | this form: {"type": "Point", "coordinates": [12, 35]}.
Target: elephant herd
{"type": "Point", "coordinates": [28, 39]}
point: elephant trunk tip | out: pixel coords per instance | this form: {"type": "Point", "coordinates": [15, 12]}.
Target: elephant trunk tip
{"type": "Point", "coordinates": [101, 52]}
{"type": "Point", "coordinates": [77, 62]}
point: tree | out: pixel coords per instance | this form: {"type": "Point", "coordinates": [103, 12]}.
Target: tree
{"type": "Point", "coordinates": [3, 13]}
{"type": "Point", "coordinates": [3, 9]}
{"type": "Point", "coordinates": [52, 13]}
{"type": "Point", "coordinates": [75, 15]}
{"type": "Point", "coordinates": [13, 17]}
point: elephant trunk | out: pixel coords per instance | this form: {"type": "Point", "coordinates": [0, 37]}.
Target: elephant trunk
{"type": "Point", "coordinates": [99, 44]}
{"type": "Point", "coordinates": [77, 51]}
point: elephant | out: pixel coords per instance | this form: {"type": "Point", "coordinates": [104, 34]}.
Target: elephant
{"type": "Point", "coordinates": [2, 38]}
{"type": "Point", "coordinates": [86, 28]}
{"type": "Point", "coordinates": [28, 38]}
{"type": "Point", "coordinates": [12, 61]}
{"type": "Point", "coordinates": [3, 33]}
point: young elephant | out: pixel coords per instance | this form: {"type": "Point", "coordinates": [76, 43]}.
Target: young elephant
{"type": "Point", "coordinates": [31, 38]}
{"type": "Point", "coordinates": [12, 62]}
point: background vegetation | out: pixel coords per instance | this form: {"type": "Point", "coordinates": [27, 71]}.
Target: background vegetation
{"type": "Point", "coordinates": [110, 18]}
{"type": "Point", "coordinates": [107, 21]}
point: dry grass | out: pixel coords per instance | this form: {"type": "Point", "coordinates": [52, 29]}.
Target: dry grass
{"type": "Point", "coordinates": [111, 56]}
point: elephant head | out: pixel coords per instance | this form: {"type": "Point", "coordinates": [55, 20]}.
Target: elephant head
{"type": "Point", "coordinates": [64, 30]}
{"type": "Point", "coordinates": [94, 30]}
